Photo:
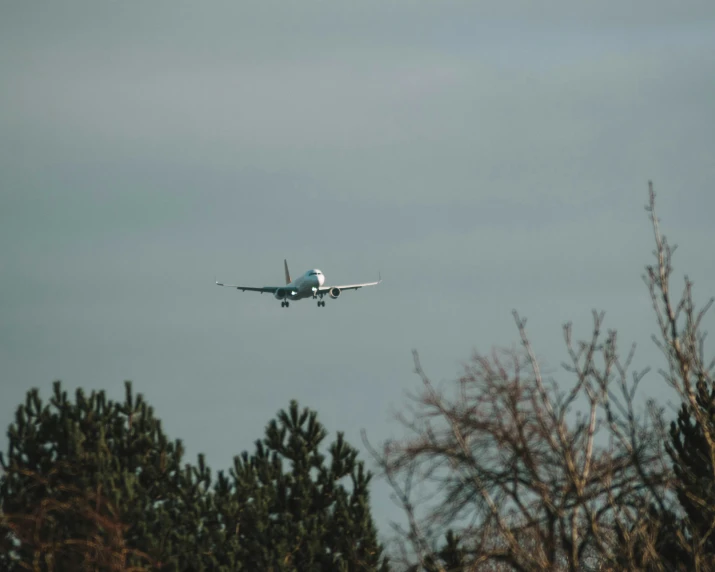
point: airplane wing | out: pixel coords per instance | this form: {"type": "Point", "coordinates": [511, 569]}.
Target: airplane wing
{"type": "Point", "coordinates": [270, 289]}
{"type": "Point", "coordinates": [348, 286]}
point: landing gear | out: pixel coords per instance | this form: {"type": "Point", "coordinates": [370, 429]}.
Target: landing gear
{"type": "Point", "coordinates": [285, 304]}
{"type": "Point", "coordinates": [321, 303]}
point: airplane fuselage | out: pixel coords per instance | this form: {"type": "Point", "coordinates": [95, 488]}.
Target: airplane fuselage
{"type": "Point", "coordinates": [305, 286]}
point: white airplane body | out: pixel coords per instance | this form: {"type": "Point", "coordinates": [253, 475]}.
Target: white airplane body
{"type": "Point", "coordinates": [311, 284]}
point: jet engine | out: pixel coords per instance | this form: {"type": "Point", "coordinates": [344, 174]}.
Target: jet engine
{"type": "Point", "coordinates": [280, 294]}
{"type": "Point", "coordinates": [334, 292]}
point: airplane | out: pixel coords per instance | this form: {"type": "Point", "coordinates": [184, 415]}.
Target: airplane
{"type": "Point", "coordinates": [308, 285]}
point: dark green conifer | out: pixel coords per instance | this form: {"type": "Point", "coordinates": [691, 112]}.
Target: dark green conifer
{"type": "Point", "coordinates": [450, 557]}
{"type": "Point", "coordinates": [287, 507]}
{"type": "Point", "coordinates": [693, 466]}
{"type": "Point", "coordinates": [683, 541]}
{"type": "Point", "coordinates": [115, 453]}
{"type": "Point", "coordinates": [94, 484]}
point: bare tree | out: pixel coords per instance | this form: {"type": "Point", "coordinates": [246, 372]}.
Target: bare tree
{"type": "Point", "coordinates": [533, 475]}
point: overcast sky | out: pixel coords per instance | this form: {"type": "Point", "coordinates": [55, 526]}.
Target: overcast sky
{"type": "Point", "coordinates": [484, 156]}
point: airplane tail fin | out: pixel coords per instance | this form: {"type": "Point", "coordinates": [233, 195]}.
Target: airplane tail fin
{"type": "Point", "coordinates": [285, 264]}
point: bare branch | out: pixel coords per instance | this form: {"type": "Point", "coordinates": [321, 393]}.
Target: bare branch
{"type": "Point", "coordinates": [535, 474]}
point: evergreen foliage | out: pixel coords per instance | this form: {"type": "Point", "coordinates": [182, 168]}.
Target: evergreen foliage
{"type": "Point", "coordinates": [96, 484]}
{"type": "Point", "coordinates": [692, 458]}
{"type": "Point", "coordinates": [450, 558]}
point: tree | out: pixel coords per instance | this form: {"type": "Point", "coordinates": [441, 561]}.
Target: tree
{"type": "Point", "coordinates": [683, 537]}
{"type": "Point", "coordinates": [532, 474]}
{"type": "Point", "coordinates": [100, 545]}
{"type": "Point", "coordinates": [94, 448]}
{"type": "Point", "coordinates": [97, 485]}
{"type": "Point", "coordinates": [300, 517]}
{"type": "Point", "coordinates": [695, 485]}
{"type": "Point", "coordinates": [691, 445]}
{"type": "Point", "coordinates": [530, 485]}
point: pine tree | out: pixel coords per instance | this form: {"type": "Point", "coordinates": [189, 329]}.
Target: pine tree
{"type": "Point", "coordinates": [450, 557]}
{"type": "Point", "coordinates": [693, 466]}
{"type": "Point", "coordinates": [684, 541]}
{"type": "Point", "coordinates": [287, 506]}
{"type": "Point", "coordinates": [114, 455]}
{"type": "Point", "coordinates": [97, 485]}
